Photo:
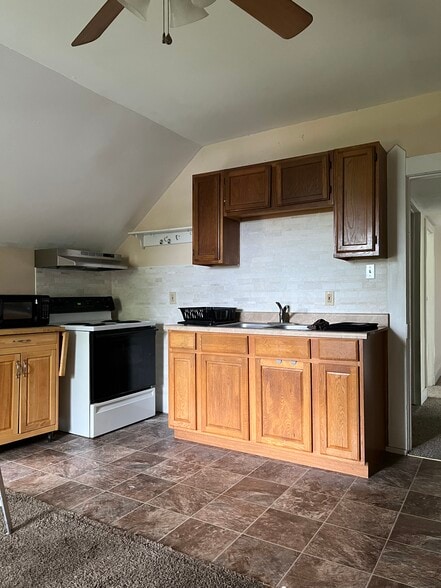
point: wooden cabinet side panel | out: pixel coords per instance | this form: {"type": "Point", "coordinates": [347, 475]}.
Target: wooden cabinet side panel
{"type": "Point", "coordinates": [223, 395]}
{"type": "Point", "coordinates": [283, 403]}
{"type": "Point", "coordinates": [182, 390]}
{"type": "Point", "coordinates": [9, 394]}
{"type": "Point", "coordinates": [39, 390]}
{"type": "Point", "coordinates": [339, 410]}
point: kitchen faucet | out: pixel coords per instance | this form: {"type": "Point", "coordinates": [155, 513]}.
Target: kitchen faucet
{"type": "Point", "coordinates": [283, 313]}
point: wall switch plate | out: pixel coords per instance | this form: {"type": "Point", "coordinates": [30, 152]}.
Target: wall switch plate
{"type": "Point", "coordinates": [370, 271]}
{"type": "Point", "coordinates": [329, 298]}
{"type": "Point", "coordinates": [172, 297]}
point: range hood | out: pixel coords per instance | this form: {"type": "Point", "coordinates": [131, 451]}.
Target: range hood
{"type": "Point", "coordinates": [80, 260]}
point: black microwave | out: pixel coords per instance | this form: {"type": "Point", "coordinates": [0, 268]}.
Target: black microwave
{"type": "Point", "coordinates": [23, 311]}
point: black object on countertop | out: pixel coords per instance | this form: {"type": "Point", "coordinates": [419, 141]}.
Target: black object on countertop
{"type": "Point", "coordinates": [208, 315]}
{"type": "Point", "coordinates": [322, 325]}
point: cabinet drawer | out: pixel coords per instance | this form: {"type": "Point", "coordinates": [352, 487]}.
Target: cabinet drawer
{"type": "Point", "coordinates": [182, 340]}
{"type": "Point", "coordinates": [338, 349]}
{"type": "Point", "coordinates": [26, 340]}
{"type": "Point", "coordinates": [214, 343]}
{"type": "Point", "coordinates": [283, 347]}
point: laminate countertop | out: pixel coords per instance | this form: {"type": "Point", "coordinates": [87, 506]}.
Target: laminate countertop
{"type": "Point", "coordinates": [277, 332]}
{"type": "Point", "coordinates": [31, 330]}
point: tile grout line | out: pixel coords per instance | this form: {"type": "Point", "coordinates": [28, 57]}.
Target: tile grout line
{"type": "Point", "coordinates": [319, 529]}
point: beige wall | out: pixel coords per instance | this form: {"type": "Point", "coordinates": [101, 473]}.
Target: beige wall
{"type": "Point", "coordinates": [414, 124]}
{"type": "Point", "coordinates": [17, 274]}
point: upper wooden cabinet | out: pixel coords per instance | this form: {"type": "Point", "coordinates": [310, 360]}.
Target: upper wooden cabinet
{"type": "Point", "coordinates": [215, 238]}
{"type": "Point", "coordinates": [303, 183]}
{"type": "Point", "coordinates": [247, 190]}
{"type": "Point", "coordinates": [351, 181]}
{"type": "Point", "coordinates": [360, 202]}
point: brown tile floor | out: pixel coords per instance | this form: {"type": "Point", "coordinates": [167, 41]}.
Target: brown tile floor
{"type": "Point", "coordinates": [284, 524]}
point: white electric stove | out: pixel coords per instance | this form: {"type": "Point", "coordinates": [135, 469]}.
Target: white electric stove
{"type": "Point", "coordinates": [110, 371]}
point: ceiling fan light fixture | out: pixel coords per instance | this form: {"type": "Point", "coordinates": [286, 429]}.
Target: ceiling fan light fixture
{"type": "Point", "coordinates": [183, 12]}
{"type": "Point", "coordinates": [203, 3]}
{"type": "Point", "coordinates": [137, 7]}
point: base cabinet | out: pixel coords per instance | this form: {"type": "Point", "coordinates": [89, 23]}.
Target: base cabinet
{"type": "Point", "coordinates": [338, 410]}
{"type": "Point", "coordinates": [182, 390]}
{"type": "Point", "coordinates": [223, 395]}
{"type": "Point", "coordinates": [38, 391]}
{"type": "Point", "coordinates": [29, 368]}
{"type": "Point", "coordinates": [283, 403]}
{"type": "Point", "coordinates": [299, 399]}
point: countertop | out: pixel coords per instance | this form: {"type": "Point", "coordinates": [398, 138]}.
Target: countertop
{"type": "Point", "coordinates": [29, 330]}
{"type": "Point", "coordinates": [277, 332]}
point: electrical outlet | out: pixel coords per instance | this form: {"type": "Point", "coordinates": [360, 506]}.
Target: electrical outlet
{"type": "Point", "coordinates": [329, 298]}
{"type": "Point", "coordinates": [370, 271]}
{"type": "Point", "coordinates": [172, 297]}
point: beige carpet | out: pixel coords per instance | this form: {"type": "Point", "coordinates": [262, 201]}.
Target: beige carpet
{"type": "Point", "coordinates": [434, 391]}
{"type": "Point", "coordinates": [51, 548]}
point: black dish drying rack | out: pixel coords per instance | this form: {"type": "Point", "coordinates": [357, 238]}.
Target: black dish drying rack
{"type": "Point", "coordinates": [208, 315]}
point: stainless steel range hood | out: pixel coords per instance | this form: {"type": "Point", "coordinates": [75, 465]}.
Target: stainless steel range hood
{"type": "Point", "coordinates": [79, 260]}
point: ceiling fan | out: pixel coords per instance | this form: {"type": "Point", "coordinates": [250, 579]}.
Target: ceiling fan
{"type": "Point", "coordinates": [284, 17]}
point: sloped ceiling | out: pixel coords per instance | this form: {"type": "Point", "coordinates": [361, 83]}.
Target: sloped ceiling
{"type": "Point", "coordinates": [227, 75]}
{"type": "Point", "coordinates": [91, 136]}
{"type": "Point", "coordinates": [76, 169]}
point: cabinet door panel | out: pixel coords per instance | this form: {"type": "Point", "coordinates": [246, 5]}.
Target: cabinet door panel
{"type": "Point", "coordinates": [283, 403]}
{"type": "Point", "coordinates": [303, 182]}
{"type": "Point", "coordinates": [182, 391]}
{"type": "Point", "coordinates": [38, 393]}
{"type": "Point", "coordinates": [9, 391]}
{"type": "Point", "coordinates": [247, 189]}
{"type": "Point", "coordinates": [356, 201]}
{"type": "Point", "coordinates": [339, 410]}
{"type": "Point", "coordinates": [215, 238]}
{"type": "Point", "coordinates": [223, 388]}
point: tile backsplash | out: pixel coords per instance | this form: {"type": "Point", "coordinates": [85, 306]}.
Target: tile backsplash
{"type": "Point", "coordinates": [288, 259]}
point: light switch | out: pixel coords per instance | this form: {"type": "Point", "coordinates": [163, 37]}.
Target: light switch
{"type": "Point", "coordinates": [370, 271]}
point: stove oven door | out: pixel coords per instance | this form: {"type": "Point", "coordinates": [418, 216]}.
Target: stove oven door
{"type": "Point", "coordinates": [121, 362]}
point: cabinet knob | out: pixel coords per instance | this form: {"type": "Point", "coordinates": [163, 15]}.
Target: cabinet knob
{"type": "Point", "coordinates": [293, 362]}
{"type": "Point", "coordinates": [25, 368]}
{"type": "Point", "coordinates": [18, 369]}
{"type": "Point", "coordinates": [279, 361]}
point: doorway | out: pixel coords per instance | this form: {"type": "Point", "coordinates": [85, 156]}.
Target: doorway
{"type": "Point", "coordinates": [425, 314]}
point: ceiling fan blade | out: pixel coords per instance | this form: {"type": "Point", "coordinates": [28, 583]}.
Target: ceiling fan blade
{"type": "Point", "coordinates": [286, 18]}
{"type": "Point", "coordinates": [99, 23]}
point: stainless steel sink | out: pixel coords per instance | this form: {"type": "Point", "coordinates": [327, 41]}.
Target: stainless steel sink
{"type": "Point", "coordinates": [290, 327]}
{"type": "Point", "coordinates": [248, 325]}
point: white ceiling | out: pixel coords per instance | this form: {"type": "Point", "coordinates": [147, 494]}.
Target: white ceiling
{"type": "Point", "coordinates": [425, 191]}
{"type": "Point", "coordinates": [227, 75]}
{"type": "Point", "coordinates": [89, 147]}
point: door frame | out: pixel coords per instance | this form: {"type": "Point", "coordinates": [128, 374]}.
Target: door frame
{"type": "Point", "coordinates": [416, 167]}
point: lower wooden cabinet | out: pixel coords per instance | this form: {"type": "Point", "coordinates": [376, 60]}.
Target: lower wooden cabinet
{"type": "Point", "coordinates": [38, 390]}
{"type": "Point", "coordinates": [29, 369]}
{"type": "Point", "coordinates": [283, 403]}
{"type": "Point", "coordinates": [182, 390]}
{"type": "Point", "coordinates": [223, 395]}
{"type": "Point", "coordinates": [300, 399]}
{"type": "Point", "coordinates": [337, 409]}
